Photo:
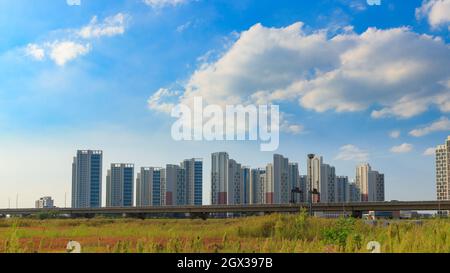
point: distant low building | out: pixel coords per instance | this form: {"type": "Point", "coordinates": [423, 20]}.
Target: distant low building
{"type": "Point", "coordinates": [45, 202]}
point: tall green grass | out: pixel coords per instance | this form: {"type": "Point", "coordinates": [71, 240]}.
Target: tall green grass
{"type": "Point", "coordinates": [284, 233]}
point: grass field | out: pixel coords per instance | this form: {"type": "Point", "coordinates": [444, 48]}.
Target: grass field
{"type": "Point", "coordinates": [264, 234]}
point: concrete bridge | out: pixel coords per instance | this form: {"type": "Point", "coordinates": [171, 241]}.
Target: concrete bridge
{"type": "Point", "coordinates": [204, 211]}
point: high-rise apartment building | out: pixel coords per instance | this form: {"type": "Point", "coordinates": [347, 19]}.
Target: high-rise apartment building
{"type": "Point", "coordinates": [245, 191]}
{"type": "Point", "coordinates": [342, 190]}
{"type": "Point", "coordinates": [281, 183]}
{"type": "Point", "coordinates": [370, 183]}
{"type": "Point", "coordinates": [323, 178]}
{"type": "Point", "coordinates": [293, 175]}
{"type": "Point", "coordinates": [193, 169]}
{"type": "Point", "coordinates": [257, 186]}
{"type": "Point", "coordinates": [87, 179]}
{"type": "Point", "coordinates": [303, 185]}
{"type": "Point", "coordinates": [354, 194]}
{"type": "Point", "coordinates": [443, 170]}
{"type": "Point", "coordinates": [314, 165]}
{"type": "Point", "coordinates": [175, 186]}
{"type": "Point", "coordinates": [234, 189]}
{"type": "Point", "coordinates": [120, 185]}
{"type": "Point", "coordinates": [149, 187]}
{"type": "Point", "coordinates": [269, 187]}
{"type": "Point", "coordinates": [219, 178]}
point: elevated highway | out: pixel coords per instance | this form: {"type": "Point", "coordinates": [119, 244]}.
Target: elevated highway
{"type": "Point", "coordinates": [205, 210]}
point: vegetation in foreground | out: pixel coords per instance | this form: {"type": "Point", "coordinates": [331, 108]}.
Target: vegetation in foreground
{"type": "Point", "coordinates": [264, 234]}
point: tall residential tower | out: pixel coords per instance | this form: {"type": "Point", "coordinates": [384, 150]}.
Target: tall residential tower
{"type": "Point", "coordinates": [87, 179]}
{"type": "Point", "coordinates": [443, 170]}
{"type": "Point", "coordinates": [119, 185]}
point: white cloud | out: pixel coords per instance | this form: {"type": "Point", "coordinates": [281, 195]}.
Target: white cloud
{"type": "Point", "coordinates": [111, 26]}
{"type": "Point", "coordinates": [73, 2]}
{"type": "Point", "coordinates": [35, 51]}
{"type": "Point", "coordinates": [394, 134]}
{"type": "Point", "coordinates": [430, 151]}
{"type": "Point", "coordinates": [294, 129]}
{"type": "Point", "coordinates": [403, 148]}
{"type": "Point", "coordinates": [437, 12]}
{"type": "Point", "coordinates": [184, 26]}
{"type": "Point", "coordinates": [164, 3]}
{"type": "Point", "coordinates": [75, 42]}
{"type": "Point", "coordinates": [404, 72]}
{"type": "Point", "coordinates": [351, 152]}
{"type": "Point", "coordinates": [158, 102]}
{"type": "Point", "coordinates": [443, 124]}
{"type": "Point", "coordinates": [63, 52]}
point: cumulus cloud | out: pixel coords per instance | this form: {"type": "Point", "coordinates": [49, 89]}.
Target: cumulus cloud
{"type": "Point", "coordinates": [164, 3]}
{"type": "Point", "coordinates": [76, 42]}
{"type": "Point", "coordinates": [430, 151]}
{"type": "Point", "coordinates": [437, 12]}
{"type": "Point", "coordinates": [443, 124]}
{"type": "Point", "coordinates": [351, 152]}
{"type": "Point", "coordinates": [397, 70]}
{"type": "Point", "coordinates": [35, 51]}
{"type": "Point", "coordinates": [63, 52]}
{"type": "Point", "coordinates": [403, 148]}
{"type": "Point", "coordinates": [111, 26]}
{"type": "Point", "coordinates": [394, 134]}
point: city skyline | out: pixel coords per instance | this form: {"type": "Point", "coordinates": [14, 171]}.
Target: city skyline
{"type": "Point", "coordinates": [231, 182]}
{"type": "Point", "coordinates": [105, 75]}
{"type": "Point", "coordinates": [351, 180]}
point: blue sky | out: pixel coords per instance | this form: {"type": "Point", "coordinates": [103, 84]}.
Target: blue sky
{"type": "Point", "coordinates": [345, 74]}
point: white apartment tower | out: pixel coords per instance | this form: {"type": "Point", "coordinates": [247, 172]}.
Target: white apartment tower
{"type": "Point", "coordinates": [443, 170]}
{"type": "Point", "coordinates": [370, 183]}
{"type": "Point", "coordinates": [323, 180]}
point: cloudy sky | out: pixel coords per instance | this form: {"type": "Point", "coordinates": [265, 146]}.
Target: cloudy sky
{"type": "Point", "coordinates": [355, 83]}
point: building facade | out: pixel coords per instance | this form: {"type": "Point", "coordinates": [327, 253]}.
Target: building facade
{"type": "Point", "coordinates": [120, 185]}
{"type": "Point", "coordinates": [294, 183]}
{"type": "Point", "coordinates": [303, 184]}
{"type": "Point", "coordinates": [193, 169]}
{"type": "Point", "coordinates": [234, 189]}
{"type": "Point", "coordinates": [442, 158]}
{"type": "Point", "coordinates": [150, 187]}
{"type": "Point", "coordinates": [87, 179]}
{"type": "Point", "coordinates": [269, 188]}
{"type": "Point", "coordinates": [281, 183]}
{"type": "Point", "coordinates": [219, 178]}
{"type": "Point", "coordinates": [323, 178]}
{"type": "Point", "coordinates": [342, 189]}
{"type": "Point", "coordinates": [257, 187]}
{"type": "Point", "coordinates": [246, 192]}
{"type": "Point", "coordinates": [45, 203]}
{"type": "Point", "coordinates": [354, 194]}
{"type": "Point", "coordinates": [370, 183]}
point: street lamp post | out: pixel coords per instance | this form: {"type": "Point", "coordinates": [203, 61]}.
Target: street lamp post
{"type": "Point", "coordinates": [310, 157]}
